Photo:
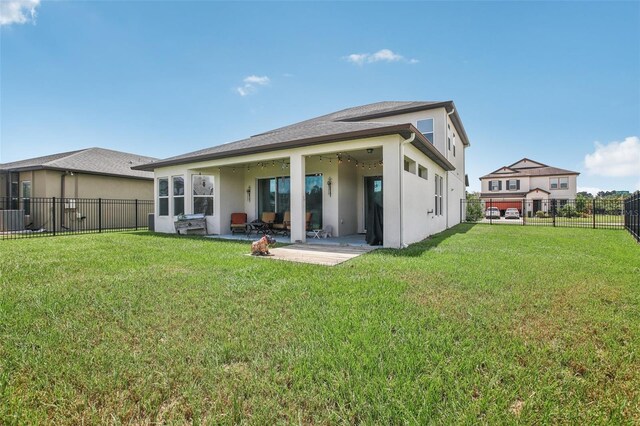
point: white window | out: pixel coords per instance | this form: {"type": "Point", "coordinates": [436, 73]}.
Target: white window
{"type": "Point", "coordinates": [26, 197]}
{"type": "Point", "coordinates": [454, 144]}
{"type": "Point", "coordinates": [409, 165]}
{"type": "Point", "coordinates": [513, 184]}
{"type": "Point", "coordinates": [559, 183]}
{"type": "Point", "coordinates": [438, 196]}
{"type": "Point", "coordinates": [178, 195]}
{"type": "Point", "coordinates": [202, 189]}
{"type": "Point", "coordinates": [564, 183]}
{"type": "Point", "coordinates": [163, 196]}
{"type": "Point", "coordinates": [423, 172]}
{"type": "Point", "coordinates": [426, 128]}
{"type": "Point", "coordinates": [495, 185]}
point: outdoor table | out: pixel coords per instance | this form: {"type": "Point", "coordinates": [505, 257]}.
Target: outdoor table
{"type": "Point", "coordinates": [316, 233]}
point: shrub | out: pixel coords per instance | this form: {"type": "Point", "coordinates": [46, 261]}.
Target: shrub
{"type": "Point", "coordinates": [541, 214]}
{"type": "Point", "coordinates": [568, 211]}
{"type": "Point", "coordinates": [474, 208]}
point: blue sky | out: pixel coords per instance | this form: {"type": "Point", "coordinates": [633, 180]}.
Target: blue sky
{"type": "Point", "coordinates": [555, 82]}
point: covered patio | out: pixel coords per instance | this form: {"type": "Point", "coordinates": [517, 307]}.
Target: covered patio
{"type": "Point", "coordinates": [305, 195]}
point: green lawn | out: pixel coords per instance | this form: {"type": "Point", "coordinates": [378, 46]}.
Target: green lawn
{"type": "Point", "coordinates": [480, 324]}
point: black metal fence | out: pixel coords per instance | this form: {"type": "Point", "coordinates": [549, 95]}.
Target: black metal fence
{"type": "Point", "coordinates": [37, 217]}
{"type": "Point", "coordinates": [594, 213]}
{"type": "Point", "coordinates": [632, 215]}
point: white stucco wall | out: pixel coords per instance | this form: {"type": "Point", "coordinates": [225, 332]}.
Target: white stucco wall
{"type": "Point", "coordinates": [344, 209]}
{"type": "Point", "coordinates": [347, 193]}
{"type": "Point", "coordinates": [233, 185]}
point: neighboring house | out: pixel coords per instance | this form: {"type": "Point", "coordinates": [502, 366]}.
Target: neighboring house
{"type": "Point", "coordinates": [86, 173]}
{"type": "Point", "coordinates": [529, 184]}
{"type": "Point", "coordinates": [400, 163]}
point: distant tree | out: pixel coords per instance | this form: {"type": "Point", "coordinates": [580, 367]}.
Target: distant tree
{"type": "Point", "coordinates": [474, 207]}
{"type": "Point", "coordinates": [581, 203]}
{"type": "Point", "coordinates": [585, 194]}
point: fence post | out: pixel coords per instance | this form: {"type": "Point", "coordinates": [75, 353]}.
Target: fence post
{"type": "Point", "coordinates": [524, 214]}
{"type": "Point", "coordinates": [53, 213]}
{"type": "Point", "coordinates": [99, 214]}
{"type": "Point", "coordinates": [553, 211]}
{"type": "Point", "coordinates": [136, 214]}
{"type": "Point", "coordinates": [490, 215]}
{"type": "Point", "coordinates": [593, 212]}
{"type": "Point", "coordinates": [460, 210]}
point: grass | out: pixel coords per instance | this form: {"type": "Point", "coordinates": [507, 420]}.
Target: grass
{"type": "Point", "coordinates": [479, 324]}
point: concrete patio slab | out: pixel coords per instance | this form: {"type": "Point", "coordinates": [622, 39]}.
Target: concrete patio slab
{"type": "Point", "coordinates": [318, 254]}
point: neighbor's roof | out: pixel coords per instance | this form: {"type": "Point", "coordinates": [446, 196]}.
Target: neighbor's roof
{"type": "Point", "coordinates": [542, 170]}
{"type": "Point", "coordinates": [350, 123]}
{"type": "Point", "coordinates": [91, 160]}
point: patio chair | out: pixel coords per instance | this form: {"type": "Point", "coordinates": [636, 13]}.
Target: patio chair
{"type": "Point", "coordinates": [308, 221]}
{"type": "Point", "coordinates": [285, 226]}
{"type": "Point", "coordinates": [238, 222]}
{"type": "Point", "coordinates": [327, 231]}
{"type": "Point", "coordinates": [268, 217]}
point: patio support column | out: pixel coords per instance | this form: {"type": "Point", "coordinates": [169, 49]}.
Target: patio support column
{"type": "Point", "coordinates": [391, 193]}
{"type": "Point", "coordinates": [297, 207]}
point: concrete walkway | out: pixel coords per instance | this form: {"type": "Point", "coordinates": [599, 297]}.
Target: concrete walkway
{"type": "Point", "coordinates": [318, 254]}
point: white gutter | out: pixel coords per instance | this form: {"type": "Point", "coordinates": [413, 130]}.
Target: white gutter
{"type": "Point", "coordinates": [402, 144]}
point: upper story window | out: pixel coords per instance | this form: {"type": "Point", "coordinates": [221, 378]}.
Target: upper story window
{"type": "Point", "coordinates": [409, 165]}
{"type": "Point", "coordinates": [495, 185]}
{"type": "Point", "coordinates": [454, 144]}
{"type": "Point", "coordinates": [559, 183]}
{"type": "Point", "coordinates": [426, 128]}
{"type": "Point", "coordinates": [513, 184]}
{"type": "Point", "coordinates": [423, 172]}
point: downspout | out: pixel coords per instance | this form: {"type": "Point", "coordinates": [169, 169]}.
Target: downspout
{"type": "Point", "coordinates": [447, 185]}
{"type": "Point", "coordinates": [61, 200]}
{"type": "Point", "coordinates": [402, 144]}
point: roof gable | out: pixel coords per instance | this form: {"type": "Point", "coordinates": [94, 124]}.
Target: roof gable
{"type": "Point", "coordinates": [526, 163]}
{"type": "Point", "coordinates": [504, 171]}
{"type": "Point", "coordinates": [538, 189]}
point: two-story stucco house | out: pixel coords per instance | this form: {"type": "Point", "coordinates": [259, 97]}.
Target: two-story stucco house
{"type": "Point", "coordinates": [400, 163]}
{"type": "Point", "coordinates": [530, 182]}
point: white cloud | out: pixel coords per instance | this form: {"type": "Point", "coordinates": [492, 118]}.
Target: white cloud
{"type": "Point", "coordinates": [384, 55]}
{"type": "Point", "coordinates": [18, 11]}
{"type": "Point", "coordinates": [251, 84]}
{"type": "Point", "coordinates": [615, 159]}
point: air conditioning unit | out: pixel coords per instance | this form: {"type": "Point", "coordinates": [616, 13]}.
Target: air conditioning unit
{"type": "Point", "coordinates": [11, 220]}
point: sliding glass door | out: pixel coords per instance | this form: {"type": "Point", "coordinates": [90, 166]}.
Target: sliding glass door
{"type": "Point", "coordinates": [274, 195]}
{"type": "Point", "coordinates": [313, 196]}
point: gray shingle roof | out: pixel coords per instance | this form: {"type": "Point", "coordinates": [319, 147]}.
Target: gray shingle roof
{"type": "Point", "coordinates": [90, 160]}
{"type": "Point", "coordinates": [537, 171]}
{"type": "Point", "coordinates": [341, 125]}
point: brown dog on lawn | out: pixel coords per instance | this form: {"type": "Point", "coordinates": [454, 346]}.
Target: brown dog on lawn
{"type": "Point", "coordinates": [261, 247]}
